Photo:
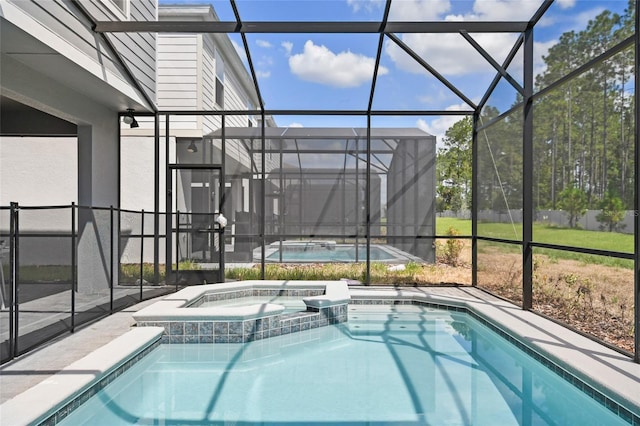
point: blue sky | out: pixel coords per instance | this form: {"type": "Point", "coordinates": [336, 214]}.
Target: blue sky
{"type": "Point", "coordinates": [331, 71]}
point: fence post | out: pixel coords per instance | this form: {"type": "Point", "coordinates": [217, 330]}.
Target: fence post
{"type": "Point", "coordinates": [13, 277]}
{"type": "Point", "coordinates": [74, 265]}
{"type": "Point", "coordinates": [111, 259]}
{"type": "Point", "coordinates": [177, 247]}
{"type": "Point", "coordinates": [141, 252]}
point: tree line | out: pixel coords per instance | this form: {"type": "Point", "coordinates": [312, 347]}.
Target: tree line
{"type": "Point", "coordinates": [583, 134]}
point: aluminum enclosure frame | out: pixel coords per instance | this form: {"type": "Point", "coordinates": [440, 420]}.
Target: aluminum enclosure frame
{"type": "Point", "coordinates": [387, 30]}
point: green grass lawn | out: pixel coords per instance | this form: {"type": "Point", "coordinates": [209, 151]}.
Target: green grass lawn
{"type": "Point", "coordinates": [543, 233]}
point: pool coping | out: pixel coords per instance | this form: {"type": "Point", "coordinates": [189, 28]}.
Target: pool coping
{"type": "Point", "coordinates": [177, 306]}
{"type": "Point", "coordinates": [579, 360]}
{"type": "Point", "coordinates": [51, 400]}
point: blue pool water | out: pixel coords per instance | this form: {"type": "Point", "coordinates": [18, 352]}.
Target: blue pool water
{"type": "Point", "coordinates": [335, 254]}
{"type": "Point", "coordinates": [388, 365]}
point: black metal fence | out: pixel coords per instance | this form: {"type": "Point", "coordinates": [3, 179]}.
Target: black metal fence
{"type": "Point", "coordinates": [66, 266]}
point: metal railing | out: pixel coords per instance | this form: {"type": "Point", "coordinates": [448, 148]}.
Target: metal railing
{"type": "Point", "coordinates": [67, 266]}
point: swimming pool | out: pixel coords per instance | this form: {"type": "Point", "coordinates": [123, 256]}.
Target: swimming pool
{"type": "Point", "coordinates": [330, 251]}
{"type": "Point", "coordinates": [390, 364]}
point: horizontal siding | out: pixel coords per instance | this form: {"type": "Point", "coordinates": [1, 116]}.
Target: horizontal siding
{"type": "Point", "coordinates": [233, 97]}
{"type": "Point", "coordinates": [177, 103]}
{"type": "Point", "coordinates": [175, 40]}
{"type": "Point", "coordinates": [138, 50]}
{"type": "Point", "coordinates": [168, 79]}
{"type": "Point", "coordinates": [182, 86]}
{"type": "Point", "coordinates": [177, 47]}
{"type": "Point", "coordinates": [185, 125]}
{"type": "Point", "coordinates": [177, 56]}
{"type": "Point", "coordinates": [237, 121]}
{"type": "Point", "coordinates": [211, 123]}
{"type": "Point", "coordinates": [71, 26]}
{"type": "Point", "coordinates": [181, 118]}
{"type": "Point", "coordinates": [65, 20]}
{"type": "Point", "coordinates": [177, 72]}
{"type": "Point", "coordinates": [208, 74]}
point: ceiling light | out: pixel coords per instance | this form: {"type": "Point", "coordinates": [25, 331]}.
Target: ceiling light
{"type": "Point", "coordinates": [130, 119]}
{"type": "Point", "coordinates": [192, 146]}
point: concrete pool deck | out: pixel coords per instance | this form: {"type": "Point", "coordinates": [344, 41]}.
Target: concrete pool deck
{"type": "Point", "coordinates": [614, 373]}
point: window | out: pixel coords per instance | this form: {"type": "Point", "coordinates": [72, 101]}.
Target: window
{"type": "Point", "coordinates": [219, 79]}
{"type": "Point", "coordinates": [219, 93]}
{"type": "Point", "coordinates": [250, 108]}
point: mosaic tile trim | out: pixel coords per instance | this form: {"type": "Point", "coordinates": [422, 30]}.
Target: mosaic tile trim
{"type": "Point", "coordinates": [602, 399]}
{"type": "Point", "coordinates": [237, 294]}
{"type": "Point", "coordinates": [241, 331]}
{"type": "Point", "coordinates": [68, 408]}
{"type": "Point", "coordinates": [593, 393]}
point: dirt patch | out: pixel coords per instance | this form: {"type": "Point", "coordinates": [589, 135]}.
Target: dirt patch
{"type": "Point", "coordinates": [594, 299]}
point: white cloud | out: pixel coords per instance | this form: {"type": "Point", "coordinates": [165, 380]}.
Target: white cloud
{"type": "Point", "coordinates": [582, 19]}
{"type": "Point", "coordinates": [434, 97]}
{"type": "Point", "coordinates": [288, 46]}
{"type": "Point", "coordinates": [503, 10]}
{"type": "Point", "coordinates": [320, 65]}
{"type": "Point", "coordinates": [450, 54]}
{"type": "Point", "coordinates": [369, 5]}
{"type": "Point", "coordinates": [541, 49]}
{"type": "Point", "coordinates": [262, 66]}
{"type": "Point", "coordinates": [295, 124]}
{"type": "Point", "coordinates": [566, 4]}
{"type": "Point", "coordinates": [265, 61]}
{"type": "Point", "coordinates": [263, 43]}
{"type": "Point", "coordinates": [418, 10]}
{"type": "Point", "coordinates": [439, 126]}
{"type": "Point", "coordinates": [569, 21]}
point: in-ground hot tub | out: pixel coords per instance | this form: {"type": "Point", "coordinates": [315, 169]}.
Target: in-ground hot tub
{"type": "Point", "coordinates": [196, 314]}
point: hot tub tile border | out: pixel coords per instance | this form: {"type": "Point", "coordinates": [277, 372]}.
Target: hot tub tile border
{"type": "Point", "coordinates": [241, 331]}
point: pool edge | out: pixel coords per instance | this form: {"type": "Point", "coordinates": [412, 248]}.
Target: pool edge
{"type": "Point", "coordinates": [54, 398]}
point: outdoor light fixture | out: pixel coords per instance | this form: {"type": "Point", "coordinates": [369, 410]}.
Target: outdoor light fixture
{"type": "Point", "coordinates": [130, 119]}
{"type": "Point", "coordinates": [192, 146]}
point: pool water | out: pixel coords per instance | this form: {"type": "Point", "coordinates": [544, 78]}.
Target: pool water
{"type": "Point", "coordinates": [395, 365]}
{"type": "Point", "coordinates": [335, 254]}
{"type": "Point", "coordinates": [291, 304]}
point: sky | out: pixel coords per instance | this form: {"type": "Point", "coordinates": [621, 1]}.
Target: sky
{"type": "Point", "coordinates": [334, 71]}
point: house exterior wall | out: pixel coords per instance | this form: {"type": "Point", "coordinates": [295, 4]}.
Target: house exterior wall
{"type": "Point", "coordinates": [186, 81]}
{"type": "Point", "coordinates": [46, 179]}
{"type": "Point", "coordinates": [178, 73]}
{"type": "Point", "coordinates": [53, 62]}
